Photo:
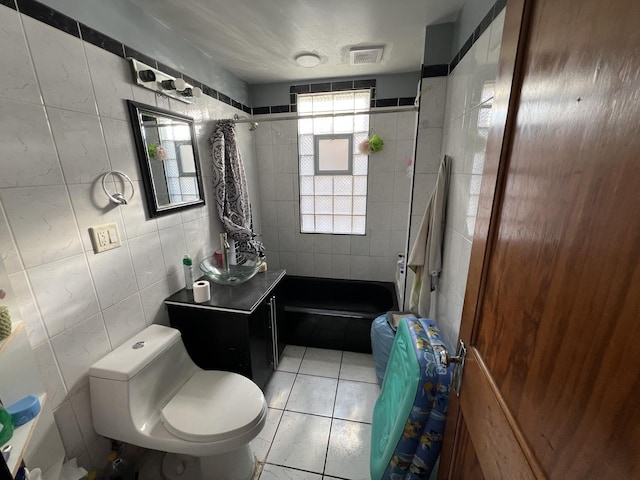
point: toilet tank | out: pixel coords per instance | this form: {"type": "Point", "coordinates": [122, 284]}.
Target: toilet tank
{"type": "Point", "coordinates": [130, 385]}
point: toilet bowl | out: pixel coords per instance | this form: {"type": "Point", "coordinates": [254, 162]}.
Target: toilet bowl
{"type": "Point", "coordinates": [148, 392]}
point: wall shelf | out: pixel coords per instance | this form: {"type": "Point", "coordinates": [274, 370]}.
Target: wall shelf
{"type": "Point", "coordinates": [15, 328]}
{"type": "Point", "coordinates": [21, 438]}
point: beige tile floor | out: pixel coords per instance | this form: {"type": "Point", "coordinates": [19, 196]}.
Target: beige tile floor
{"type": "Point", "coordinates": [319, 423]}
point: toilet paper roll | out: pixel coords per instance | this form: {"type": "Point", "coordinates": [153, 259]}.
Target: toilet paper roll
{"type": "Point", "coordinates": [201, 291]}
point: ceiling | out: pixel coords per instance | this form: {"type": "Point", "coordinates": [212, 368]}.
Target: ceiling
{"type": "Point", "coordinates": [257, 40]}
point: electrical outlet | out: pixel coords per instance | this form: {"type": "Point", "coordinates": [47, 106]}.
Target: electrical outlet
{"type": "Point", "coordinates": [104, 237]}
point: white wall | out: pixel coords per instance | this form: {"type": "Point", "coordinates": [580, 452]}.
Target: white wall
{"type": "Point", "coordinates": [428, 157]}
{"type": "Point", "coordinates": [364, 257]}
{"type": "Point", "coordinates": [132, 25]}
{"type": "Point", "coordinates": [63, 123]}
{"type": "Point", "coordinates": [466, 120]}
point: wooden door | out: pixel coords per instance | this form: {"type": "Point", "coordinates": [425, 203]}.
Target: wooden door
{"type": "Point", "coordinates": [551, 385]}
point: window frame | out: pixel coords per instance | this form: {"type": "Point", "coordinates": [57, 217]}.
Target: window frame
{"type": "Point", "coordinates": [308, 216]}
{"type": "Point", "coordinates": [316, 153]}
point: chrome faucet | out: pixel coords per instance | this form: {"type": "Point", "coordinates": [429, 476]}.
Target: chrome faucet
{"type": "Point", "coordinates": [224, 246]}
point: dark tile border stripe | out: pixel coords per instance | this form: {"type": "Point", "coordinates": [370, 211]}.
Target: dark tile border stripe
{"type": "Point", "coordinates": [141, 57]}
{"type": "Point", "coordinates": [8, 3]}
{"type": "Point", "coordinates": [406, 101]}
{"type": "Point", "coordinates": [280, 109]}
{"type": "Point", "coordinates": [386, 102]}
{"type": "Point", "coordinates": [371, 83]}
{"type": "Point", "coordinates": [340, 86]}
{"type": "Point", "coordinates": [491, 15]}
{"type": "Point", "coordinates": [484, 23]}
{"type": "Point", "coordinates": [168, 70]}
{"type": "Point", "coordinates": [101, 40]}
{"type": "Point", "coordinates": [62, 22]}
{"type": "Point", "coordinates": [322, 87]}
{"type": "Point", "coordinates": [300, 89]}
{"type": "Point", "coordinates": [51, 17]}
{"type": "Point", "coordinates": [466, 47]}
{"type": "Point", "coordinates": [210, 91]}
{"type": "Point", "coordinates": [192, 81]}
{"type": "Point", "coordinates": [438, 70]}
{"type": "Point", "coordinates": [441, 70]}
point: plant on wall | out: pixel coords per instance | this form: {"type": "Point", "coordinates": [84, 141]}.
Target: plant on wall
{"type": "Point", "coordinates": [156, 151]}
{"type": "Point", "coordinates": [372, 144]}
{"type": "Point", "coordinates": [5, 322]}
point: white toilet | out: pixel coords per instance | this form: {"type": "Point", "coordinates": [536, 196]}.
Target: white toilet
{"type": "Point", "coordinates": [148, 392]}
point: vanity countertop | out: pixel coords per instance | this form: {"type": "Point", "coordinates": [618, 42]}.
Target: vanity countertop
{"type": "Point", "coordinates": [243, 298]}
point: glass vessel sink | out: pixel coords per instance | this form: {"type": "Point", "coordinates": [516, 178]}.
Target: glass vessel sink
{"type": "Point", "coordinates": [247, 266]}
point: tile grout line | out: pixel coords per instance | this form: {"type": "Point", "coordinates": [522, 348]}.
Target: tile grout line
{"type": "Point", "coordinates": [282, 415]}
{"type": "Point", "coordinates": [332, 417]}
{"type": "Point", "coordinates": [326, 454]}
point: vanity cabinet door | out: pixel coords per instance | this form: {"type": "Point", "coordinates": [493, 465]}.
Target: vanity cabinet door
{"type": "Point", "coordinates": [261, 344]}
{"type": "Point", "coordinates": [214, 340]}
{"type": "Point", "coordinates": [232, 342]}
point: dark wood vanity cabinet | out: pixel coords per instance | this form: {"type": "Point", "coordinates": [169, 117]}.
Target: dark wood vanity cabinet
{"type": "Point", "coordinates": [236, 331]}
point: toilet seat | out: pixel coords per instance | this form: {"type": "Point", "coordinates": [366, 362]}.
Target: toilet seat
{"type": "Point", "coordinates": [193, 414]}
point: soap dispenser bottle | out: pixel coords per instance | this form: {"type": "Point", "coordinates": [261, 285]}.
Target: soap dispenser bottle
{"type": "Point", "coordinates": [187, 264]}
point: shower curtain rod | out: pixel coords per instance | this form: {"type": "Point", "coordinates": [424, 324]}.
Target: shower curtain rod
{"type": "Point", "coordinates": [261, 118]}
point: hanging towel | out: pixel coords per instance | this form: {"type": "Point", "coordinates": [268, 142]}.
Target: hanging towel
{"type": "Point", "coordinates": [230, 187]}
{"type": "Point", "coordinates": [426, 256]}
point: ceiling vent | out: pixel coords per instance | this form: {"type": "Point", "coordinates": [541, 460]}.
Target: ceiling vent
{"type": "Point", "coordinates": [365, 56]}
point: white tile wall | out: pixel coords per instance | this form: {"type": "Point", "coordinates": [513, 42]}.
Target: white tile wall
{"type": "Point", "coordinates": [469, 94]}
{"type": "Point", "coordinates": [63, 123]}
{"type": "Point", "coordinates": [373, 256]}
{"type": "Point", "coordinates": [425, 167]}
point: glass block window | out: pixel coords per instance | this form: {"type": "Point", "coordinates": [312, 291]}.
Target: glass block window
{"type": "Point", "coordinates": [179, 161]}
{"type": "Point", "coordinates": [333, 181]}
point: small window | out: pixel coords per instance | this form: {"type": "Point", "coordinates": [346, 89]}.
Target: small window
{"type": "Point", "coordinates": [334, 154]}
{"type": "Point", "coordinates": [333, 172]}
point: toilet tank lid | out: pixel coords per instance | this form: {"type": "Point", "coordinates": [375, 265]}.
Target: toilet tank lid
{"type": "Point", "coordinates": [124, 362]}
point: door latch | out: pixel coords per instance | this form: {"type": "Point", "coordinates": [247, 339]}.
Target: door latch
{"type": "Point", "coordinates": [458, 360]}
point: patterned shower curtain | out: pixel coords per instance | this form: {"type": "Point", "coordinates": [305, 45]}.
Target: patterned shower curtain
{"type": "Point", "coordinates": [230, 187]}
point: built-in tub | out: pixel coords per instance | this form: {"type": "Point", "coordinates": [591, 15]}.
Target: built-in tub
{"type": "Point", "coordinates": [332, 313]}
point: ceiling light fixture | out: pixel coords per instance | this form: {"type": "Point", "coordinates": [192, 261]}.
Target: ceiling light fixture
{"type": "Point", "coordinates": [195, 92]}
{"type": "Point", "coordinates": [308, 60]}
{"type": "Point", "coordinates": [177, 84]}
{"type": "Point", "coordinates": [163, 83]}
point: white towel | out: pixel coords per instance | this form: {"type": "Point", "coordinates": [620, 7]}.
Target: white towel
{"type": "Point", "coordinates": [425, 259]}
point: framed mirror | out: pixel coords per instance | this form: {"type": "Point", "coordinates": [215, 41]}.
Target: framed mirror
{"type": "Point", "coordinates": [168, 155]}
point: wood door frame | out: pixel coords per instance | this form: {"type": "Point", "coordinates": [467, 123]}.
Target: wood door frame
{"type": "Point", "coordinates": [504, 110]}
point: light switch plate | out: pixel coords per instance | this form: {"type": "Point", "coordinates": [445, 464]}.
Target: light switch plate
{"type": "Point", "coordinates": [105, 237]}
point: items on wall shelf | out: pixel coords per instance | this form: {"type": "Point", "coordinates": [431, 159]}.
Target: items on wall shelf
{"type": "Point", "coordinates": [117, 197]}
{"type": "Point", "coordinates": [160, 82]}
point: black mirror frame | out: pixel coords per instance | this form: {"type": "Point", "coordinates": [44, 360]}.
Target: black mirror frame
{"type": "Point", "coordinates": [149, 188]}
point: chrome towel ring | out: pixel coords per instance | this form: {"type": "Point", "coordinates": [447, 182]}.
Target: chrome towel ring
{"type": "Point", "coordinates": [118, 198]}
